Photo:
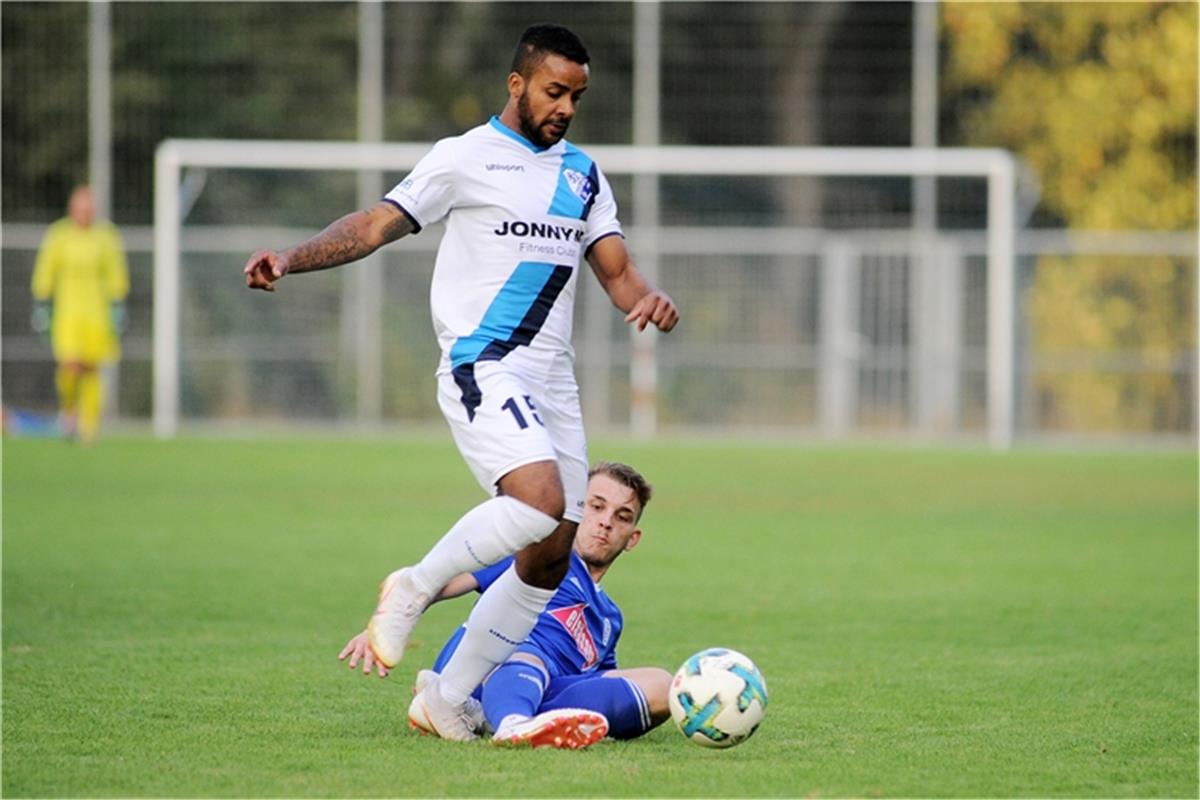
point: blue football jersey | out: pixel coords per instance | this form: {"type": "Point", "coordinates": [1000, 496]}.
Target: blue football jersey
{"type": "Point", "coordinates": [579, 629]}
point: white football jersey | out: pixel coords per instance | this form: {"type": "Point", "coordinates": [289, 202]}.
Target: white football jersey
{"type": "Point", "coordinates": [519, 220]}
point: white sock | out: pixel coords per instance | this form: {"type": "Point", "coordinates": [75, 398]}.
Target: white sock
{"type": "Point", "coordinates": [487, 533]}
{"type": "Point", "coordinates": [500, 621]}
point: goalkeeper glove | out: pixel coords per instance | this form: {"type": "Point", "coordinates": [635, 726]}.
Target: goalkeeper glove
{"type": "Point", "coordinates": [39, 320]}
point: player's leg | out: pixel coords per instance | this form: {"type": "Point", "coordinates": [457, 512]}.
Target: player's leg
{"type": "Point", "coordinates": [508, 610]}
{"type": "Point", "coordinates": [633, 701]}
{"type": "Point", "coordinates": [91, 402]}
{"type": "Point", "coordinates": [494, 445]}
{"type": "Point", "coordinates": [487, 533]}
{"type": "Point", "coordinates": [512, 696]}
{"type": "Point", "coordinates": [500, 620]}
{"type": "Point", "coordinates": [66, 381]}
{"type": "Point", "coordinates": [527, 510]}
{"type": "Point", "coordinates": [545, 564]}
{"type": "Point", "coordinates": [426, 677]}
{"type": "Point", "coordinates": [81, 343]}
{"type": "Point", "coordinates": [508, 703]}
{"type": "Point", "coordinates": [473, 708]}
{"type": "Point", "coordinates": [515, 689]}
{"type": "Point", "coordinates": [506, 613]}
{"type": "Point", "coordinates": [67, 340]}
{"type": "Point", "coordinates": [510, 451]}
{"type": "Point", "coordinates": [654, 684]}
{"type": "Point", "coordinates": [99, 345]}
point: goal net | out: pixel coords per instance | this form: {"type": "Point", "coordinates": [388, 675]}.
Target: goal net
{"type": "Point", "coordinates": [825, 324]}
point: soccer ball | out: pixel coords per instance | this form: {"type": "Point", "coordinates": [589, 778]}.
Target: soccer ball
{"type": "Point", "coordinates": [718, 698]}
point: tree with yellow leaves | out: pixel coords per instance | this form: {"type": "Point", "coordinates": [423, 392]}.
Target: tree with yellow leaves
{"type": "Point", "coordinates": [1099, 99]}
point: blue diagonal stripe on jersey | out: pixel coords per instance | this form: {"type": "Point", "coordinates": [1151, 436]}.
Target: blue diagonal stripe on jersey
{"type": "Point", "coordinates": [566, 202]}
{"type": "Point", "coordinates": [515, 316]}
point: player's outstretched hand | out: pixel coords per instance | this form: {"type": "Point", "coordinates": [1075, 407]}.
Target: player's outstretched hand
{"type": "Point", "coordinates": [359, 649]}
{"type": "Point", "coordinates": [263, 269]}
{"type": "Point", "coordinates": [656, 307]}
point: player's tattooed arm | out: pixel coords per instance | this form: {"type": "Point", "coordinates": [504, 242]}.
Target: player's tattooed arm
{"type": "Point", "coordinates": [350, 238]}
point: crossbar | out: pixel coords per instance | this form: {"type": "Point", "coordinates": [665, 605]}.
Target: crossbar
{"type": "Point", "coordinates": [997, 166]}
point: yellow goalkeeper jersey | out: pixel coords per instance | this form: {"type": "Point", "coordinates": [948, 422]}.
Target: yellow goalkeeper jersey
{"type": "Point", "coordinates": [83, 271]}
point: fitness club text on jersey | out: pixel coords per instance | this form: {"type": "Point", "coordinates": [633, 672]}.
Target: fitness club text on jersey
{"type": "Point", "coordinates": [546, 231]}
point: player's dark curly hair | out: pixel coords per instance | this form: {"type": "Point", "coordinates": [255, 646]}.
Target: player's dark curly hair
{"type": "Point", "coordinates": [626, 476]}
{"type": "Point", "coordinates": [538, 41]}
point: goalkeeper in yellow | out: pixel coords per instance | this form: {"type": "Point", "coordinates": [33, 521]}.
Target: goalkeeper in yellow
{"type": "Point", "coordinates": [79, 285]}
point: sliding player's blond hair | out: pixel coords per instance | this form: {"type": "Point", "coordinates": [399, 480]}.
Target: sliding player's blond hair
{"type": "Point", "coordinates": [626, 476]}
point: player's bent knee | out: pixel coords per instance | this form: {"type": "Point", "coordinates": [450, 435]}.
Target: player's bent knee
{"type": "Point", "coordinates": [657, 689]}
{"type": "Point", "coordinates": [517, 525]}
{"type": "Point", "coordinates": [655, 684]}
{"type": "Point", "coordinates": [545, 563]}
{"type": "Point", "coordinates": [538, 485]}
{"type": "Point", "coordinates": [527, 658]}
{"type": "Point", "coordinates": [552, 505]}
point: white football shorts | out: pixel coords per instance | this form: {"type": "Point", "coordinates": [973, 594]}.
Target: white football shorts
{"type": "Point", "coordinates": [519, 421]}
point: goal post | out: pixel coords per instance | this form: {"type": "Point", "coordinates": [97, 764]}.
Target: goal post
{"type": "Point", "coordinates": [997, 167]}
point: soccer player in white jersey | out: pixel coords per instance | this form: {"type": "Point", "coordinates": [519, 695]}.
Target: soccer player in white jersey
{"type": "Point", "coordinates": [523, 207]}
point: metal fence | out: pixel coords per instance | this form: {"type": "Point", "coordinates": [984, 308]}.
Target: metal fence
{"type": "Point", "coordinates": [758, 349]}
{"type": "Point", "coordinates": [759, 335]}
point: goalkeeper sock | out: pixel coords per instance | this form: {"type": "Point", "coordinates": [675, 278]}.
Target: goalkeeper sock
{"type": "Point", "coordinates": [66, 380]}
{"type": "Point", "coordinates": [91, 401]}
{"type": "Point", "coordinates": [487, 533]}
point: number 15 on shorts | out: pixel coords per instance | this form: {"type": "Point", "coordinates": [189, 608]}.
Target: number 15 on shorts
{"type": "Point", "coordinates": [513, 407]}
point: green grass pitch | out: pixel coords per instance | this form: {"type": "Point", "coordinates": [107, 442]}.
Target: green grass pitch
{"type": "Point", "coordinates": [931, 622]}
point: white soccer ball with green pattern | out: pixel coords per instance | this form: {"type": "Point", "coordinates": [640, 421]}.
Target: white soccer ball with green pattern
{"type": "Point", "coordinates": [718, 698]}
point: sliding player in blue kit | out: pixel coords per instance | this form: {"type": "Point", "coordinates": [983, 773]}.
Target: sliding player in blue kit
{"type": "Point", "coordinates": [523, 208]}
{"type": "Point", "coordinates": [562, 687]}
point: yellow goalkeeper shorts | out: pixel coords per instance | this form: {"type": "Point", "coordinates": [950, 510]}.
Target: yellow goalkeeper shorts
{"type": "Point", "coordinates": [87, 340]}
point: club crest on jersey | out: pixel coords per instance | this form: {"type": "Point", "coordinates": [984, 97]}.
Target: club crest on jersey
{"type": "Point", "coordinates": [572, 618]}
{"type": "Point", "coordinates": [581, 185]}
